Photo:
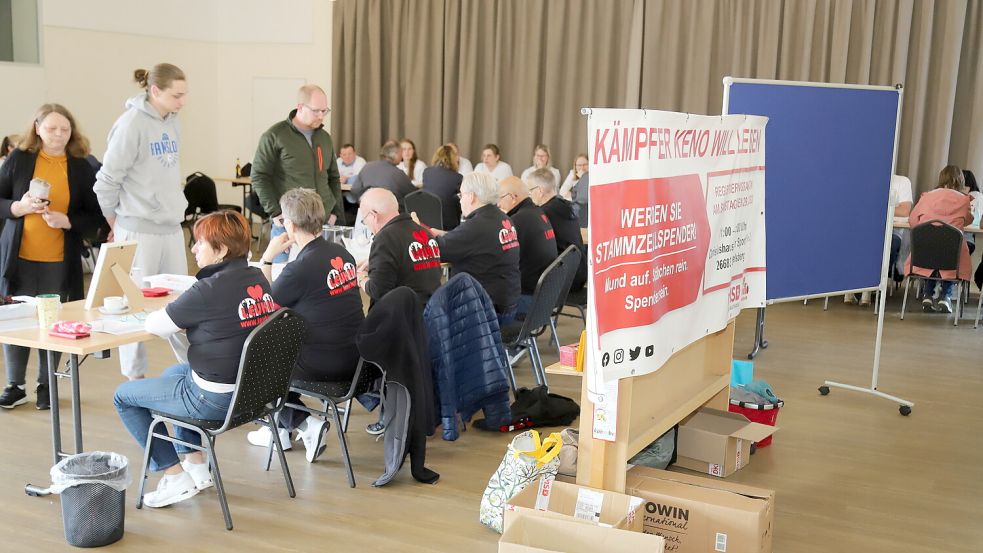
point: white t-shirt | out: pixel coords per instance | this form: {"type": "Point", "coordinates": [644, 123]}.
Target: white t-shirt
{"type": "Point", "coordinates": [464, 166]}
{"type": "Point", "coordinates": [554, 170]}
{"type": "Point", "coordinates": [501, 171]}
{"type": "Point", "coordinates": [900, 189]}
{"type": "Point", "coordinates": [348, 171]}
{"type": "Point", "coordinates": [417, 176]}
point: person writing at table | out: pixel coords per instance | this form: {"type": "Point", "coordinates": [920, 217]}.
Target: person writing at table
{"type": "Point", "coordinates": [320, 285]}
{"type": "Point", "coordinates": [41, 243]}
{"type": "Point", "coordinates": [948, 204]}
{"type": "Point", "coordinates": [218, 312]}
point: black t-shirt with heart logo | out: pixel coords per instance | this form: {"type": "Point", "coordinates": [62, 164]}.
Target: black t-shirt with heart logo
{"type": "Point", "coordinates": [219, 311]}
{"type": "Point", "coordinates": [486, 246]}
{"type": "Point", "coordinates": [403, 254]}
{"type": "Point", "coordinates": [321, 285]}
{"type": "Point", "coordinates": [537, 242]}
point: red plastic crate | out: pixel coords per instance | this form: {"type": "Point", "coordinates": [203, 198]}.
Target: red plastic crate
{"type": "Point", "coordinates": [764, 414]}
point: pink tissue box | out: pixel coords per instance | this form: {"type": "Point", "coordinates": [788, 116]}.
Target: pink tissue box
{"type": "Point", "coordinates": [568, 355]}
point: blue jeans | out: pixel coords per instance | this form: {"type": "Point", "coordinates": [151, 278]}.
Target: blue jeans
{"type": "Point", "coordinates": [929, 289]}
{"type": "Point", "coordinates": [521, 308]}
{"type": "Point", "coordinates": [277, 230]}
{"type": "Point", "coordinates": [173, 392]}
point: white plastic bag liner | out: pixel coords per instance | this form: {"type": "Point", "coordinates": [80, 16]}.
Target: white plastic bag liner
{"type": "Point", "coordinates": [95, 467]}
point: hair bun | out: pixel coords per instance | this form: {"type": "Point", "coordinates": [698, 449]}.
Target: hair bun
{"type": "Point", "coordinates": [140, 76]}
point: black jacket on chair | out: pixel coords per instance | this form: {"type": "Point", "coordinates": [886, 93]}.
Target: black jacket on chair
{"type": "Point", "coordinates": [394, 338]}
{"type": "Point", "coordinates": [83, 213]}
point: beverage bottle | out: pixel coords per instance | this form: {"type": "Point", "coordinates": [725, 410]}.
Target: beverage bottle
{"type": "Point", "coordinates": [238, 168]}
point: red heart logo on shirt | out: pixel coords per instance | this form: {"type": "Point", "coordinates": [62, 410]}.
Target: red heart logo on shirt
{"type": "Point", "coordinates": [507, 223]}
{"type": "Point", "coordinates": [337, 263]}
{"type": "Point", "coordinates": [255, 292]}
{"type": "Point", "coordinates": [421, 236]}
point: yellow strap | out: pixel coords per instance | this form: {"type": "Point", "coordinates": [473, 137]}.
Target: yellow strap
{"type": "Point", "coordinates": [543, 451]}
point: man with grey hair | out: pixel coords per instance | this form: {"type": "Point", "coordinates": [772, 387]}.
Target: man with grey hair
{"type": "Point", "coordinates": [402, 254]}
{"type": "Point", "coordinates": [537, 244]}
{"type": "Point", "coordinates": [383, 173]}
{"type": "Point", "coordinates": [485, 245]}
{"type": "Point", "coordinates": [298, 153]}
{"type": "Point", "coordinates": [563, 219]}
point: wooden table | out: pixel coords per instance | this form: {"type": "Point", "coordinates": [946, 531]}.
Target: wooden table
{"type": "Point", "coordinates": [97, 343]}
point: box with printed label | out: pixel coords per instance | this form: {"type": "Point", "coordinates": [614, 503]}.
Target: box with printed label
{"type": "Point", "coordinates": [529, 533]}
{"type": "Point", "coordinates": [553, 499]}
{"type": "Point", "coordinates": [703, 515]}
{"type": "Point", "coordinates": [718, 442]}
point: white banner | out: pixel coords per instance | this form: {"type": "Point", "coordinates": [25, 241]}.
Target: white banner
{"type": "Point", "coordinates": [677, 235]}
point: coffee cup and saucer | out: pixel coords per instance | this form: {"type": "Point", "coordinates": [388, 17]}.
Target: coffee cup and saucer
{"type": "Point", "coordinates": [114, 305]}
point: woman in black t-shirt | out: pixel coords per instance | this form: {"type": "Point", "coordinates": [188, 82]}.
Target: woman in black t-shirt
{"type": "Point", "coordinates": [218, 312]}
{"type": "Point", "coordinates": [321, 286]}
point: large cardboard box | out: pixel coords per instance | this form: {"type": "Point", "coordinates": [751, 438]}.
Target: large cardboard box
{"type": "Point", "coordinates": [718, 442]}
{"type": "Point", "coordinates": [703, 515]}
{"type": "Point", "coordinates": [535, 534]}
{"type": "Point", "coordinates": [552, 499]}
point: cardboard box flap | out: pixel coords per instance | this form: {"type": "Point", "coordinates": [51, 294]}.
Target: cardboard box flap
{"type": "Point", "coordinates": [548, 534]}
{"type": "Point", "coordinates": [638, 475]}
{"type": "Point", "coordinates": [716, 421]}
{"type": "Point", "coordinates": [754, 432]}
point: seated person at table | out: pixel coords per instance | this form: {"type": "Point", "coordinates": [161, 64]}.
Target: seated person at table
{"type": "Point", "coordinates": [566, 226]}
{"type": "Point", "coordinates": [443, 180]}
{"type": "Point", "coordinates": [41, 245]}
{"type": "Point", "coordinates": [383, 173]}
{"type": "Point", "coordinates": [349, 163]}
{"type": "Point", "coordinates": [402, 254]}
{"type": "Point", "coordinates": [492, 164]}
{"type": "Point", "coordinates": [214, 314]}
{"type": "Point", "coordinates": [320, 286]}
{"type": "Point", "coordinates": [948, 204]}
{"type": "Point", "coordinates": [485, 245]}
{"type": "Point", "coordinates": [537, 242]}
{"type": "Point", "coordinates": [541, 160]}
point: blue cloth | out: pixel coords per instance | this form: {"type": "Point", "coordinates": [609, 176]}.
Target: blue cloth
{"type": "Point", "coordinates": [277, 230]}
{"type": "Point", "coordinates": [467, 355]}
{"type": "Point", "coordinates": [176, 393]}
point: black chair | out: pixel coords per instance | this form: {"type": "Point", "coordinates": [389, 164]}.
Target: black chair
{"type": "Point", "coordinates": [331, 394]}
{"type": "Point", "coordinates": [519, 337]}
{"type": "Point", "coordinates": [937, 246]}
{"type": "Point", "coordinates": [571, 263]}
{"type": "Point", "coordinates": [199, 190]}
{"type": "Point", "coordinates": [268, 357]}
{"type": "Point", "coordinates": [427, 206]}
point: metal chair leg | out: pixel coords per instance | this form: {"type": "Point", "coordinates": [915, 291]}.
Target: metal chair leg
{"type": "Point", "coordinates": [904, 302]}
{"type": "Point", "coordinates": [209, 442]}
{"type": "Point", "coordinates": [979, 306]}
{"type": "Point", "coordinates": [553, 335]}
{"type": "Point", "coordinates": [348, 414]}
{"type": "Point", "coordinates": [146, 462]}
{"type": "Point", "coordinates": [271, 424]}
{"type": "Point", "coordinates": [344, 445]}
{"type": "Point", "coordinates": [537, 362]}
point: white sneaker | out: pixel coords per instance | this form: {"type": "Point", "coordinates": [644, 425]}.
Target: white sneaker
{"type": "Point", "coordinates": [261, 437]}
{"type": "Point", "coordinates": [200, 472]}
{"type": "Point", "coordinates": [944, 306]}
{"type": "Point", "coordinates": [170, 490]}
{"type": "Point", "coordinates": [311, 431]}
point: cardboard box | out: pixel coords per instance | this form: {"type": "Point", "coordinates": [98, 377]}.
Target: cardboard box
{"type": "Point", "coordinates": [718, 442]}
{"type": "Point", "coordinates": [535, 534]}
{"type": "Point", "coordinates": [560, 500]}
{"type": "Point", "coordinates": [703, 515]}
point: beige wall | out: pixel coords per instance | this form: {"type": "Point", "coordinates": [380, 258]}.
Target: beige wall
{"type": "Point", "coordinates": [236, 54]}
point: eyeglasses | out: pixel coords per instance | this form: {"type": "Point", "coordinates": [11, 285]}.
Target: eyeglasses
{"type": "Point", "coordinates": [531, 188]}
{"type": "Point", "coordinates": [362, 220]}
{"type": "Point", "coordinates": [324, 111]}
{"type": "Point", "coordinates": [506, 195]}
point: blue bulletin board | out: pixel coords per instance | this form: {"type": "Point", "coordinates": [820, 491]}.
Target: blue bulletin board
{"type": "Point", "coordinates": [829, 155]}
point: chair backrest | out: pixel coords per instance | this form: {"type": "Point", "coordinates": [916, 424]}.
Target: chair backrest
{"type": "Point", "coordinates": [268, 358]}
{"type": "Point", "coordinates": [199, 190]}
{"type": "Point", "coordinates": [936, 245]}
{"type": "Point", "coordinates": [544, 298]}
{"type": "Point", "coordinates": [246, 170]}
{"type": "Point", "coordinates": [571, 264]}
{"type": "Point", "coordinates": [427, 206]}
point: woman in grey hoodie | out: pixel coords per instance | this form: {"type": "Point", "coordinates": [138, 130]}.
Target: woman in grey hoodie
{"type": "Point", "coordinates": [139, 185]}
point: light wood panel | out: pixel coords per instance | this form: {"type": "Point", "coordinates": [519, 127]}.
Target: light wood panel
{"type": "Point", "coordinates": [850, 473]}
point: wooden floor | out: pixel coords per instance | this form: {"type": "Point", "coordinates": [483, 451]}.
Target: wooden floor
{"type": "Point", "coordinates": [851, 474]}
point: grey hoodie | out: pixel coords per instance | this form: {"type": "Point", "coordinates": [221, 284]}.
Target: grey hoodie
{"type": "Point", "coordinates": [140, 181]}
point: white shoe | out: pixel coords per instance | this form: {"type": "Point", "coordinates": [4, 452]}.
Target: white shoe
{"type": "Point", "coordinates": [170, 490]}
{"type": "Point", "coordinates": [261, 437]}
{"type": "Point", "coordinates": [200, 473]}
{"type": "Point", "coordinates": [944, 306]}
{"type": "Point", "coordinates": [312, 431]}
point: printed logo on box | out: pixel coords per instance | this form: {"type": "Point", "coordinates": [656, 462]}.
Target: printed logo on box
{"type": "Point", "coordinates": [716, 470]}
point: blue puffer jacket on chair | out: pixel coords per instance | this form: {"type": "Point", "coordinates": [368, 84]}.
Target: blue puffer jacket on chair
{"type": "Point", "coordinates": [468, 358]}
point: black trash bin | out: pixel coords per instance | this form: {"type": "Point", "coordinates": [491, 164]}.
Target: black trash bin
{"type": "Point", "coordinates": [93, 497]}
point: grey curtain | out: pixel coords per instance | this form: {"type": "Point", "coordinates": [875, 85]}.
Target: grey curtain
{"type": "Point", "coordinates": [516, 72]}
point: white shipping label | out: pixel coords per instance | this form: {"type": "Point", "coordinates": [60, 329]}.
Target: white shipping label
{"type": "Point", "coordinates": [543, 494]}
{"type": "Point", "coordinates": [589, 505]}
{"type": "Point", "coordinates": [740, 447]}
{"type": "Point", "coordinates": [721, 542]}
{"type": "Point", "coordinates": [632, 505]}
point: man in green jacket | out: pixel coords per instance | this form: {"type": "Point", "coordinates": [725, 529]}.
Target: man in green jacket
{"type": "Point", "coordinates": [298, 153]}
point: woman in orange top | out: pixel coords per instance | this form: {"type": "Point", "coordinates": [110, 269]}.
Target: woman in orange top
{"type": "Point", "coordinates": [948, 204]}
{"type": "Point", "coordinates": [41, 242]}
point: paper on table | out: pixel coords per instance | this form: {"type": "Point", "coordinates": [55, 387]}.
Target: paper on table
{"type": "Point", "coordinates": [18, 324]}
{"type": "Point", "coordinates": [124, 324]}
{"type": "Point", "coordinates": [174, 282]}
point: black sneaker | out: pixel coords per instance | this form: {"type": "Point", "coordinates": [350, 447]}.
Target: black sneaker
{"type": "Point", "coordinates": [375, 428]}
{"type": "Point", "coordinates": [43, 402]}
{"type": "Point", "coordinates": [12, 397]}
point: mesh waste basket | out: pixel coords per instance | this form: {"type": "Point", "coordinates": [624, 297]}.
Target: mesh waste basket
{"type": "Point", "coordinates": [93, 497]}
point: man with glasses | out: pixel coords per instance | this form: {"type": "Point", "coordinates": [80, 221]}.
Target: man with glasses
{"type": "Point", "coordinates": [537, 242]}
{"type": "Point", "coordinates": [298, 153]}
{"type": "Point", "coordinates": [563, 219]}
{"type": "Point", "coordinates": [383, 173]}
